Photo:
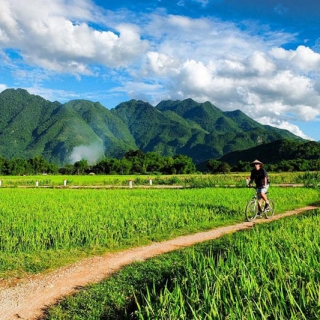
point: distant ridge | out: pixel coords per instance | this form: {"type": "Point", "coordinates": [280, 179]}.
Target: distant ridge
{"type": "Point", "coordinates": [64, 133]}
{"type": "Point", "coordinates": [276, 151]}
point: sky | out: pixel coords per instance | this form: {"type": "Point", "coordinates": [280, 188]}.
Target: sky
{"type": "Point", "coordinates": [259, 56]}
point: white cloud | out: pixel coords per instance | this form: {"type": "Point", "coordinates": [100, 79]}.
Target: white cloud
{"type": "Point", "coordinates": [55, 35]}
{"type": "Point", "coordinates": [2, 87]}
{"type": "Point", "coordinates": [283, 125]}
{"type": "Point", "coordinates": [54, 94]}
{"type": "Point", "coordinates": [303, 57]}
{"type": "Point", "coordinates": [261, 64]}
{"type": "Point", "coordinates": [161, 64]}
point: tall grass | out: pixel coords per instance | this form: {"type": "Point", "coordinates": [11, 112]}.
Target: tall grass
{"type": "Point", "coordinates": [311, 179]}
{"type": "Point", "coordinates": [50, 222]}
{"type": "Point", "coordinates": [268, 273]}
{"type": "Point", "coordinates": [195, 180]}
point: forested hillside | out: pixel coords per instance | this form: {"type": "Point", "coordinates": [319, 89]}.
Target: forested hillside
{"type": "Point", "coordinates": [31, 126]}
{"type": "Point", "coordinates": [283, 155]}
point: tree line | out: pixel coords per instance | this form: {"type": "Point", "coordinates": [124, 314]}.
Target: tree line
{"type": "Point", "coordinates": [133, 162]}
{"type": "Point", "coordinates": [138, 162]}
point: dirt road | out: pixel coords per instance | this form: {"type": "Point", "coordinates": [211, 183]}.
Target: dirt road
{"type": "Point", "coordinates": [30, 296]}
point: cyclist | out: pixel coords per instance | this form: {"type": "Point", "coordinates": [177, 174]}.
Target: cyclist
{"type": "Point", "coordinates": [260, 176]}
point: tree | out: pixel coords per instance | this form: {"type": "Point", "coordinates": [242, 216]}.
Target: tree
{"type": "Point", "coordinates": [242, 166]}
{"type": "Point", "coordinates": [224, 167]}
{"type": "Point", "coordinates": [80, 167]}
{"type": "Point", "coordinates": [40, 165]}
{"type": "Point", "coordinates": [137, 158]}
{"type": "Point", "coordinates": [213, 165]}
{"type": "Point", "coordinates": [183, 164]}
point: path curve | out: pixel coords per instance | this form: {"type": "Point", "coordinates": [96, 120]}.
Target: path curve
{"type": "Point", "coordinates": [28, 298]}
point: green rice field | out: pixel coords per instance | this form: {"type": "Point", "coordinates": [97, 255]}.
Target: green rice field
{"type": "Point", "coordinates": [260, 274]}
{"type": "Point", "coordinates": [269, 272]}
{"type": "Point", "coordinates": [38, 226]}
{"type": "Point", "coordinates": [195, 180]}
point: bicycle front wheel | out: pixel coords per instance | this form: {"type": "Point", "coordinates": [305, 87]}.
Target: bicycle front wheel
{"type": "Point", "coordinates": [252, 209]}
{"type": "Point", "coordinates": [270, 212]}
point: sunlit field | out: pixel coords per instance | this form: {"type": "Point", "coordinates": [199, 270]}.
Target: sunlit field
{"type": "Point", "coordinates": [196, 180]}
{"type": "Point", "coordinates": [50, 221]}
{"type": "Point", "coordinates": [270, 272]}
{"type": "Point", "coordinates": [47, 223]}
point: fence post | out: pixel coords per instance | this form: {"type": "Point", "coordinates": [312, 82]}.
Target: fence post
{"type": "Point", "coordinates": [0, 183]}
{"type": "Point", "coordinates": [130, 183]}
{"type": "Point", "coordinates": [150, 180]}
{"type": "Point", "coordinates": [37, 183]}
{"type": "Point", "coordinates": [65, 182]}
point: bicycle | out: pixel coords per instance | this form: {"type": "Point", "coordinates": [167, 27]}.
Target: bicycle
{"type": "Point", "coordinates": [253, 208]}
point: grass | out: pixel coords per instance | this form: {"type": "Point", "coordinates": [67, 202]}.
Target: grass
{"type": "Point", "coordinates": [194, 180]}
{"type": "Point", "coordinates": [41, 229]}
{"type": "Point", "coordinates": [270, 272]}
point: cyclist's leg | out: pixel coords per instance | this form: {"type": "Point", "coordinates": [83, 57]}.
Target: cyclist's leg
{"type": "Point", "coordinates": [262, 197]}
{"type": "Point", "coordinates": [263, 194]}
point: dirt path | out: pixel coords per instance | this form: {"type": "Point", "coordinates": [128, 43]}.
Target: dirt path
{"type": "Point", "coordinates": [28, 298]}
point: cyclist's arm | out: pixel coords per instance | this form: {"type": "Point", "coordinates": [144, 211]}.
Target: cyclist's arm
{"type": "Point", "coordinates": [265, 181]}
{"type": "Point", "coordinates": [251, 179]}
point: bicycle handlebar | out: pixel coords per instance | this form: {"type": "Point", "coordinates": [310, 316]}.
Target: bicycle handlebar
{"type": "Point", "coordinates": [249, 186]}
{"type": "Point", "coordinates": [247, 183]}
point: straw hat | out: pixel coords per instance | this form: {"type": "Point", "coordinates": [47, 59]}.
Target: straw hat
{"type": "Point", "coordinates": [256, 162]}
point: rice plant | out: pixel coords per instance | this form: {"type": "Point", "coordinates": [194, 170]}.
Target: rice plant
{"type": "Point", "coordinates": [47, 223]}
{"type": "Point", "coordinates": [271, 272]}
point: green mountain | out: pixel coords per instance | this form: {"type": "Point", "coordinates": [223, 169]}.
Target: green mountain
{"type": "Point", "coordinates": [31, 126]}
{"type": "Point", "coordinates": [276, 151]}
{"type": "Point", "coordinates": [154, 130]}
{"type": "Point", "coordinates": [222, 132]}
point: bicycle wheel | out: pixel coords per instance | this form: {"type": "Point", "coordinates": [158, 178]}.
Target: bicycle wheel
{"type": "Point", "coordinates": [271, 212]}
{"type": "Point", "coordinates": [252, 210]}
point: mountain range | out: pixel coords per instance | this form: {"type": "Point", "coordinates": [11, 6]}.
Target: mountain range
{"type": "Point", "coordinates": [80, 129]}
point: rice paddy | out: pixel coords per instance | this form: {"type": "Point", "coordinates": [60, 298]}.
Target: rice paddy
{"type": "Point", "coordinates": [270, 272]}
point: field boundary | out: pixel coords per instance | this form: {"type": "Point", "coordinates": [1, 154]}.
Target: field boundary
{"type": "Point", "coordinates": [29, 297]}
{"type": "Point", "coordinates": [140, 186]}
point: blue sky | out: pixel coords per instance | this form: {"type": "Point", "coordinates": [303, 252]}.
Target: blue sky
{"type": "Point", "coordinates": [262, 57]}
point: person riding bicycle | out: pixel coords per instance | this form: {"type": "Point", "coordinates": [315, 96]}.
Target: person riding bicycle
{"type": "Point", "coordinates": [260, 176]}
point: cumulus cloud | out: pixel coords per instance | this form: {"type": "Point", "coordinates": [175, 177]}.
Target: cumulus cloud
{"type": "Point", "coordinates": [56, 35]}
{"type": "Point", "coordinates": [283, 125]}
{"type": "Point", "coordinates": [303, 57]}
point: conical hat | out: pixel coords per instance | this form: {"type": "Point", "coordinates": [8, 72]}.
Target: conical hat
{"type": "Point", "coordinates": [256, 162]}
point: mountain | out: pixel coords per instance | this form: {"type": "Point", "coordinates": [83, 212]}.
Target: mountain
{"type": "Point", "coordinates": [154, 130]}
{"type": "Point", "coordinates": [222, 132]}
{"type": "Point", "coordinates": [31, 126]}
{"type": "Point", "coordinates": [276, 151]}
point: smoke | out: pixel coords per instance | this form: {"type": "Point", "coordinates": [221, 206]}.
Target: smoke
{"type": "Point", "coordinates": [91, 153]}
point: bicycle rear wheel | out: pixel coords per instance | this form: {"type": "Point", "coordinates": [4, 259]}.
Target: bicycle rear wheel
{"type": "Point", "coordinates": [252, 209]}
{"type": "Point", "coordinates": [271, 212]}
